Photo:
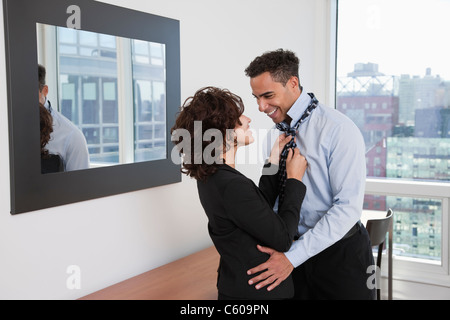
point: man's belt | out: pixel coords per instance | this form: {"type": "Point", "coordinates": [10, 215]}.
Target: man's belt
{"type": "Point", "coordinates": [353, 230]}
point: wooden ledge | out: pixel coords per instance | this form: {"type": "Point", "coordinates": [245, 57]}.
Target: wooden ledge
{"type": "Point", "coordinates": [191, 278]}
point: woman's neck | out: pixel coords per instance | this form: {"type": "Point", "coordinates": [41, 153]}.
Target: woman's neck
{"type": "Point", "coordinates": [230, 157]}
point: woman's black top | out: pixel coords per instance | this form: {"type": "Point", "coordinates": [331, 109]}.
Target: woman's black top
{"type": "Point", "coordinates": [240, 217]}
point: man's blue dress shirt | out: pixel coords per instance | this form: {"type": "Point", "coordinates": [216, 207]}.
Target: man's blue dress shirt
{"type": "Point", "coordinates": [335, 177]}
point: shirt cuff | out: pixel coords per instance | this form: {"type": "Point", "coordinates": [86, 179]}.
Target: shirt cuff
{"type": "Point", "coordinates": [296, 255]}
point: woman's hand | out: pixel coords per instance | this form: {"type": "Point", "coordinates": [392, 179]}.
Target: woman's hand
{"type": "Point", "coordinates": [295, 165]}
{"type": "Point", "coordinates": [278, 146]}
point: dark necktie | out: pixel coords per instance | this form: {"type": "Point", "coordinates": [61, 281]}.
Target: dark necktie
{"type": "Point", "coordinates": [283, 126]}
{"type": "Point", "coordinates": [49, 107]}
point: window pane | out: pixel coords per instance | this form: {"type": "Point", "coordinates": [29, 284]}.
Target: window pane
{"type": "Point", "coordinates": [110, 106]}
{"type": "Point", "coordinates": [111, 135]}
{"type": "Point", "coordinates": [88, 38]}
{"type": "Point", "coordinates": [89, 96]}
{"type": "Point", "coordinates": [68, 100]}
{"type": "Point", "coordinates": [90, 108]}
{"type": "Point", "coordinates": [150, 101]}
{"type": "Point", "coordinates": [70, 50]}
{"type": "Point", "coordinates": [67, 35]}
{"type": "Point", "coordinates": [140, 47]}
{"type": "Point", "coordinates": [394, 83]}
{"type": "Point", "coordinates": [107, 41]}
{"type": "Point", "coordinates": [156, 50]}
{"type": "Point", "coordinates": [417, 225]}
{"type": "Point", "coordinates": [92, 136]}
{"type": "Point", "coordinates": [159, 96]}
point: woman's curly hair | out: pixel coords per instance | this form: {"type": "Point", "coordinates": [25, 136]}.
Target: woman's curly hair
{"type": "Point", "coordinates": [215, 109]}
{"type": "Point", "coordinates": [46, 125]}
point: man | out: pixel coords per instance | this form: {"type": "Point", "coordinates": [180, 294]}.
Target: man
{"type": "Point", "coordinates": [66, 140]}
{"type": "Point", "coordinates": [331, 257]}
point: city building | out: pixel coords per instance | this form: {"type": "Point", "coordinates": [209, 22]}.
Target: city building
{"type": "Point", "coordinates": [405, 122]}
{"type": "Point", "coordinates": [415, 93]}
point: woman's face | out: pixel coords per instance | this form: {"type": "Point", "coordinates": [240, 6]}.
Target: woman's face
{"type": "Point", "coordinates": [244, 134]}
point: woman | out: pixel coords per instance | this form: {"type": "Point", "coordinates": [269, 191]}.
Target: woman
{"type": "Point", "coordinates": [240, 214]}
{"type": "Point", "coordinates": [50, 163]}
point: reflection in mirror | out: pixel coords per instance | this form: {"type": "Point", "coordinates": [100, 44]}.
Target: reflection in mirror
{"type": "Point", "coordinates": [112, 88]}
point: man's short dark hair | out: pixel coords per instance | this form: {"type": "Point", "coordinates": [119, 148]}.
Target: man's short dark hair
{"type": "Point", "coordinates": [282, 65]}
{"type": "Point", "coordinates": [42, 74]}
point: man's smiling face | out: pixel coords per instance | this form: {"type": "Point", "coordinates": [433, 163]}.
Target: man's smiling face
{"type": "Point", "coordinates": [274, 98]}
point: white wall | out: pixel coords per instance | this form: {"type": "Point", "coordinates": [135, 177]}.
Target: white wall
{"type": "Point", "coordinates": [114, 238]}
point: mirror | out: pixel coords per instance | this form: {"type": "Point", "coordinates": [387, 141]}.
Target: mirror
{"type": "Point", "coordinates": [115, 73]}
{"type": "Point", "coordinates": [112, 89]}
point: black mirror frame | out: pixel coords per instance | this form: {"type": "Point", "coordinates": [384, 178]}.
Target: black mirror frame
{"type": "Point", "coordinates": [31, 190]}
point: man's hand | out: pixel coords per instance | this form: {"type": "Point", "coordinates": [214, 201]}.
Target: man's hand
{"type": "Point", "coordinates": [278, 268]}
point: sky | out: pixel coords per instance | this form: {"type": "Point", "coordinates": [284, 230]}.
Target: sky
{"type": "Point", "coordinates": [401, 36]}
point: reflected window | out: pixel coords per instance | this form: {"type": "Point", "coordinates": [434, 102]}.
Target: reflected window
{"type": "Point", "coordinates": [100, 77]}
{"type": "Point", "coordinates": [149, 100]}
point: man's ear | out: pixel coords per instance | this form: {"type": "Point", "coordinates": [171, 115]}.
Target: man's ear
{"type": "Point", "coordinates": [45, 90]}
{"type": "Point", "coordinates": [293, 82]}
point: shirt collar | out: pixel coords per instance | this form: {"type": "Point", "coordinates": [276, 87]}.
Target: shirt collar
{"type": "Point", "coordinates": [299, 107]}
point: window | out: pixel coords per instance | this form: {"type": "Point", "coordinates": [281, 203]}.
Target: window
{"type": "Point", "coordinates": [397, 77]}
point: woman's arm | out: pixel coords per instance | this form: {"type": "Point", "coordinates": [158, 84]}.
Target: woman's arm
{"type": "Point", "coordinates": [269, 183]}
{"type": "Point", "coordinates": [248, 208]}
